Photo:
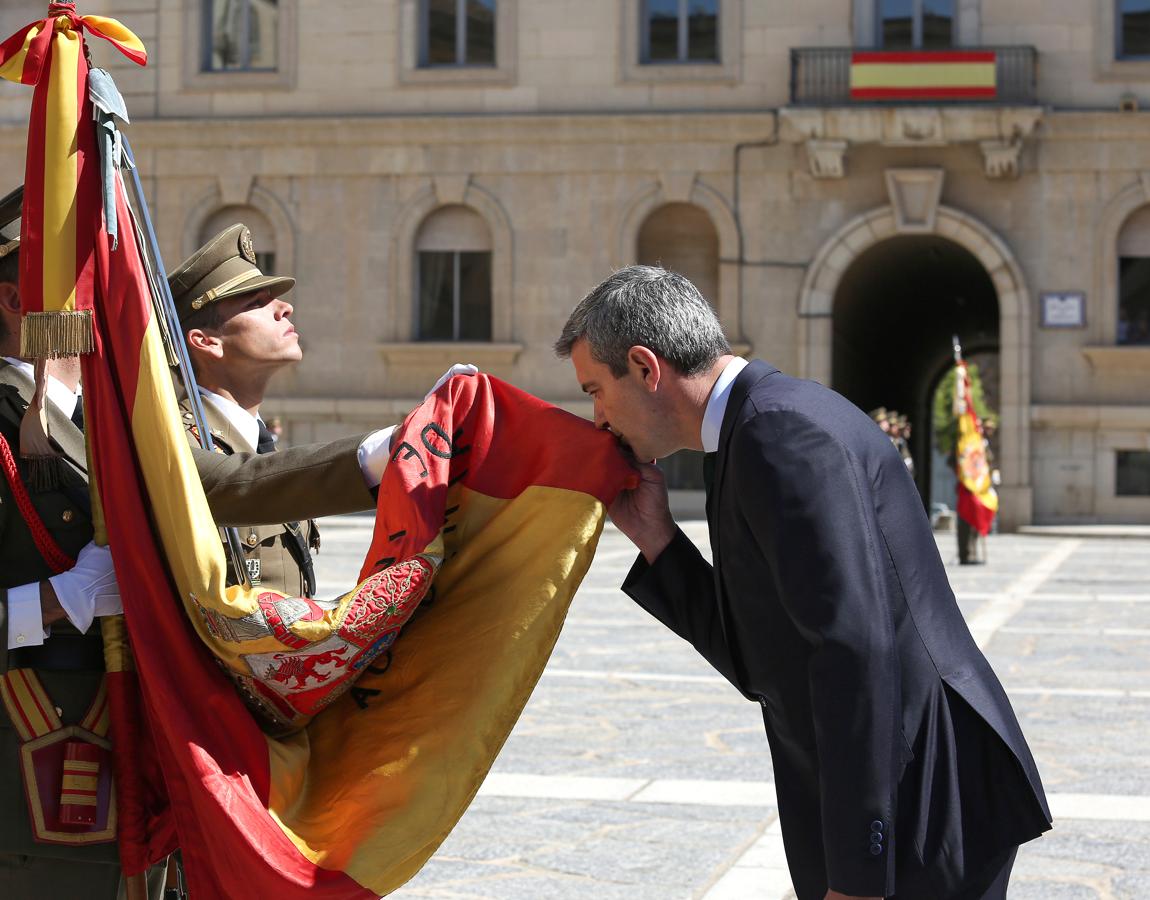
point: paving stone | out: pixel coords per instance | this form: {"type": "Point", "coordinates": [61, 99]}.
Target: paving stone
{"type": "Point", "coordinates": [672, 718]}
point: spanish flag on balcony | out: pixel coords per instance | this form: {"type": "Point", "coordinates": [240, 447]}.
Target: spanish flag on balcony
{"type": "Point", "coordinates": [293, 748]}
{"type": "Point", "coordinates": [977, 499]}
{"type": "Point", "coordinates": [923, 75]}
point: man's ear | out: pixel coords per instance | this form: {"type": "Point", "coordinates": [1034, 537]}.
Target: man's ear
{"type": "Point", "coordinates": [646, 365]}
{"type": "Point", "coordinates": [203, 344]}
{"type": "Point", "coordinates": [9, 298]}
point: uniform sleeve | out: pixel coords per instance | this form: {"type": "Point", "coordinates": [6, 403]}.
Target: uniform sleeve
{"type": "Point", "coordinates": [678, 589]}
{"type": "Point", "coordinates": [297, 483]}
{"type": "Point", "coordinates": [809, 505]}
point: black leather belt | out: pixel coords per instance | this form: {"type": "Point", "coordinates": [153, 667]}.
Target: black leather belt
{"type": "Point", "coordinates": [62, 653]}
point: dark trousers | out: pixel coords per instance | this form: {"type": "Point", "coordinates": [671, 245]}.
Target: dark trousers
{"type": "Point", "coordinates": [991, 885]}
{"type": "Point", "coordinates": [48, 878]}
{"type": "Point", "coordinates": [968, 542]}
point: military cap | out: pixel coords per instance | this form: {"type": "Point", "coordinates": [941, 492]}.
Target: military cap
{"type": "Point", "coordinates": [224, 267]}
{"type": "Point", "coordinates": [10, 208]}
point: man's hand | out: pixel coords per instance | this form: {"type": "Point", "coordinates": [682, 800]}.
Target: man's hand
{"type": "Point", "coordinates": [835, 895]}
{"type": "Point", "coordinates": [643, 514]}
{"type": "Point", "coordinates": [456, 369]}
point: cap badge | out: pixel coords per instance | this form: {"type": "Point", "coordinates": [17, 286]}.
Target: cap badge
{"type": "Point", "coordinates": [247, 248]}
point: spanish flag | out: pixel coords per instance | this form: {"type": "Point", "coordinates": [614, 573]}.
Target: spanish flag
{"type": "Point", "coordinates": [295, 748]}
{"type": "Point", "coordinates": [977, 499]}
{"type": "Point", "coordinates": [61, 176]}
{"type": "Point", "coordinates": [923, 75]}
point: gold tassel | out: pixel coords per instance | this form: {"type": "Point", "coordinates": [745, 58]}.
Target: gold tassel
{"type": "Point", "coordinates": [50, 335]}
{"type": "Point", "coordinates": [43, 461]}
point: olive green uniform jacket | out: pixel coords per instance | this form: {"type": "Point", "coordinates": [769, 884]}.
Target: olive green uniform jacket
{"type": "Point", "coordinates": [267, 549]}
{"type": "Point", "coordinates": [314, 480]}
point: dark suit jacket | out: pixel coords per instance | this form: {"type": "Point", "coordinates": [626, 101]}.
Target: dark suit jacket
{"type": "Point", "coordinates": [315, 480]}
{"type": "Point", "coordinates": [899, 764]}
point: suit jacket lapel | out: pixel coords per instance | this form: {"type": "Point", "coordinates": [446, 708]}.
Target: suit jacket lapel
{"type": "Point", "coordinates": [63, 431]}
{"type": "Point", "coordinates": [753, 373]}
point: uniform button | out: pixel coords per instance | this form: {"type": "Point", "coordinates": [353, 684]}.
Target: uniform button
{"type": "Point", "coordinates": [67, 515]}
{"type": "Point", "coordinates": [252, 539]}
{"type": "Point", "coordinates": [875, 849]}
{"type": "Point", "coordinates": [20, 639]}
{"type": "Point", "coordinates": [876, 825]}
{"type": "Point", "coordinates": [876, 837]}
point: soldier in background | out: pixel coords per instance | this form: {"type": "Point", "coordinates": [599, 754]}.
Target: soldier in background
{"type": "Point", "coordinates": [239, 332]}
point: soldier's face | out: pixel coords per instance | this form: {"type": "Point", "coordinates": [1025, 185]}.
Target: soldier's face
{"type": "Point", "coordinates": [257, 330]}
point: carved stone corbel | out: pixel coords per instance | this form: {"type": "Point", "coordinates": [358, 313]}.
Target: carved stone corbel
{"type": "Point", "coordinates": [1000, 158]}
{"type": "Point", "coordinates": [827, 159]}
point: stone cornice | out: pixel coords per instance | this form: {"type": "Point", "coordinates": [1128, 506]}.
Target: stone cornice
{"type": "Point", "coordinates": [829, 132]}
{"type": "Point", "coordinates": [720, 127]}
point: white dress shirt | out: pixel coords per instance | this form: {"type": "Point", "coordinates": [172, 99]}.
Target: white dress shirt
{"type": "Point", "coordinates": [717, 404]}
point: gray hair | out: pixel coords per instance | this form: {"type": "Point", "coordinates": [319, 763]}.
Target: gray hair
{"type": "Point", "coordinates": [650, 307]}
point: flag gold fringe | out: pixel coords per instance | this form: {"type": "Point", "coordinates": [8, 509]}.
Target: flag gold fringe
{"type": "Point", "coordinates": [50, 335]}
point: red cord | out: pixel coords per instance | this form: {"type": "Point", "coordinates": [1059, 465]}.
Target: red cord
{"type": "Point", "coordinates": [57, 559]}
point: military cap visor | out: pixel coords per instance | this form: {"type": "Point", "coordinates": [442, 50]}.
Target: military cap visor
{"type": "Point", "coordinates": [224, 267]}
{"type": "Point", "coordinates": [10, 208]}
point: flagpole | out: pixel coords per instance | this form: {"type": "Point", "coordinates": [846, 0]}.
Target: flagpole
{"type": "Point", "coordinates": [166, 306]}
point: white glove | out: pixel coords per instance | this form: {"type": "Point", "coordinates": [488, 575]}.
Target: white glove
{"type": "Point", "coordinates": [456, 369]}
{"type": "Point", "coordinates": [89, 588]}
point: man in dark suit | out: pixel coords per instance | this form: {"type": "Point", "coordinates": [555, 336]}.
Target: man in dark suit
{"type": "Point", "coordinates": [900, 768]}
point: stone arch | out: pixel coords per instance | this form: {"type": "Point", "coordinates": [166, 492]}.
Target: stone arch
{"type": "Point", "coordinates": [411, 218]}
{"type": "Point", "coordinates": [1104, 324]}
{"type": "Point", "coordinates": [677, 189]}
{"type": "Point", "coordinates": [259, 198]}
{"type": "Point", "coordinates": [816, 305]}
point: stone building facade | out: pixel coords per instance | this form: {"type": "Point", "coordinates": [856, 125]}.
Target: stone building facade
{"type": "Point", "coordinates": [376, 152]}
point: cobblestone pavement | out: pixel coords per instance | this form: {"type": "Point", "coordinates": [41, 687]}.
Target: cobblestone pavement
{"type": "Point", "coordinates": [635, 772]}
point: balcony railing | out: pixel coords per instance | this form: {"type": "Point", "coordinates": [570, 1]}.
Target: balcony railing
{"type": "Point", "coordinates": [851, 76]}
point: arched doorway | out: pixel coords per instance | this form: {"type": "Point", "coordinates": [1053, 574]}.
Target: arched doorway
{"type": "Point", "coordinates": [817, 301]}
{"type": "Point", "coordinates": [896, 310]}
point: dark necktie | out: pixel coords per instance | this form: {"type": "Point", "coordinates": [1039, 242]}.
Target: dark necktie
{"type": "Point", "coordinates": [265, 442]}
{"type": "Point", "coordinates": [78, 414]}
{"type": "Point", "coordinates": [709, 471]}
{"type": "Point", "coordinates": [294, 539]}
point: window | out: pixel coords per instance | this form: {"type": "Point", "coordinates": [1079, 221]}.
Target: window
{"type": "Point", "coordinates": [453, 277]}
{"type": "Point", "coordinates": [1132, 26]}
{"type": "Point", "coordinates": [682, 238]}
{"type": "Point", "coordinates": [241, 35]}
{"type": "Point", "coordinates": [1133, 300]}
{"type": "Point", "coordinates": [1134, 279]}
{"type": "Point", "coordinates": [680, 31]}
{"type": "Point", "coordinates": [457, 33]}
{"type": "Point", "coordinates": [916, 24]}
{"type": "Point", "coordinates": [1133, 473]}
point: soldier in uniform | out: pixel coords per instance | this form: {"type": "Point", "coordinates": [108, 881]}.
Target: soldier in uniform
{"type": "Point", "coordinates": [46, 615]}
{"type": "Point", "coordinates": [239, 334]}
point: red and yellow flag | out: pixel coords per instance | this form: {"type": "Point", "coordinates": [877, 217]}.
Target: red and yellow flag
{"type": "Point", "coordinates": [61, 181]}
{"type": "Point", "coordinates": [977, 499]}
{"type": "Point", "coordinates": [923, 75]}
{"type": "Point", "coordinates": [488, 517]}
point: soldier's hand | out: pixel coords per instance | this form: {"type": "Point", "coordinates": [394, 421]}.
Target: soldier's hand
{"type": "Point", "coordinates": [456, 369]}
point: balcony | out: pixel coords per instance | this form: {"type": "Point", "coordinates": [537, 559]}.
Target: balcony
{"type": "Point", "coordinates": [854, 76]}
